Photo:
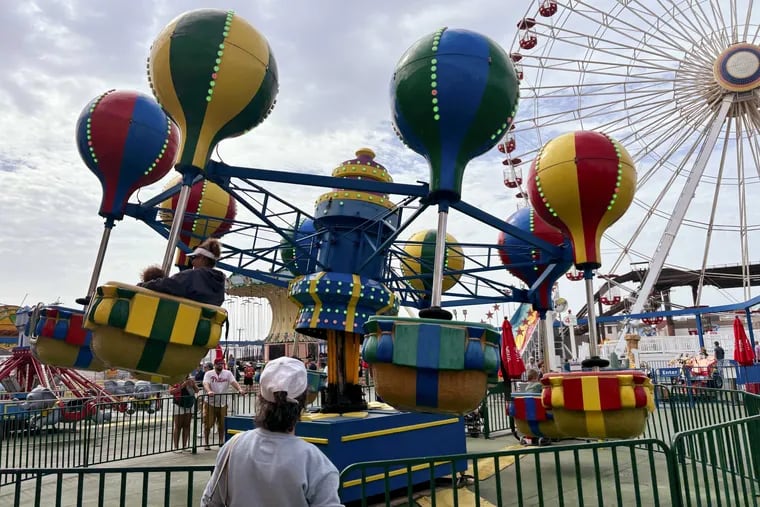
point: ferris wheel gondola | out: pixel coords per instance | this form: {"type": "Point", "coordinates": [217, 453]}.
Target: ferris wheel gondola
{"type": "Point", "coordinates": [677, 84]}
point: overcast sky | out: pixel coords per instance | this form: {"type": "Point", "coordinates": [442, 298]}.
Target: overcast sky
{"type": "Point", "coordinates": [335, 61]}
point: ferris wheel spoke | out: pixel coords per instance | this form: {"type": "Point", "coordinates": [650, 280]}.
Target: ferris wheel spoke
{"type": "Point", "coordinates": [625, 29]}
{"type": "Point", "coordinates": [663, 161]}
{"type": "Point", "coordinates": [743, 222]}
{"type": "Point", "coordinates": [713, 210]}
{"type": "Point", "coordinates": [688, 24]}
{"type": "Point", "coordinates": [754, 116]}
{"type": "Point", "coordinates": [615, 49]}
{"type": "Point", "coordinates": [598, 66]}
{"type": "Point", "coordinates": [682, 205]}
{"type": "Point", "coordinates": [653, 133]}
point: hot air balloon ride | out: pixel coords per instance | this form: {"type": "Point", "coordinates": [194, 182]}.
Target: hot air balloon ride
{"type": "Point", "coordinates": [216, 76]}
{"type": "Point", "coordinates": [210, 211]}
{"type": "Point", "coordinates": [454, 93]}
{"type": "Point", "coordinates": [128, 142]}
{"type": "Point", "coordinates": [582, 183]}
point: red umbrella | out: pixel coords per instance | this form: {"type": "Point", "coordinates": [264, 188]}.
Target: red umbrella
{"type": "Point", "coordinates": [510, 358]}
{"type": "Point", "coordinates": [743, 353]}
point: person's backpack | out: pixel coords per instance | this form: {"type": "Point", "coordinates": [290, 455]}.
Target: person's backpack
{"type": "Point", "coordinates": [248, 372]}
{"type": "Point", "coordinates": [184, 399]}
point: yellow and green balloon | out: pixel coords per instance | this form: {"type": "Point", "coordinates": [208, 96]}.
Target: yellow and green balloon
{"type": "Point", "coordinates": [215, 75]}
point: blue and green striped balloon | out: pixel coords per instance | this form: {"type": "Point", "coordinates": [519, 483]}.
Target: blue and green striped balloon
{"type": "Point", "coordinates": [454, 93]}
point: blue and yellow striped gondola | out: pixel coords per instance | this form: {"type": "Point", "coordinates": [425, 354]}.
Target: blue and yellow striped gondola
{"type": "Point", "coordinates": [431, 365]}
{"type": "Point", "coordinates": [151, 333]}
{"type": "Point", "coordinates": [531, 418]}
{"type": "Point", "coordinates": [60, 340]}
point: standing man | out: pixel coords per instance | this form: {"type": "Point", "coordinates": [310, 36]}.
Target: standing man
{"type": "Point", "coordinates": [215, 384]}
{"type": "Point", "coordinates": [719, 353]}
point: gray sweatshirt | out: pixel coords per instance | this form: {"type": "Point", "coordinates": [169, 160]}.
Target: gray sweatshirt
{"type": "Point", "coordinates": [267, 469]}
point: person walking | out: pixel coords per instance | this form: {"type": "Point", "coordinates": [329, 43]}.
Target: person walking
{"type": "Point", "coordinates": [270, 465]}
{"type": "Point", "coordinates": [215, 384]}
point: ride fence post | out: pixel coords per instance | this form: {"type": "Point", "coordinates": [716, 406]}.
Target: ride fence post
{"type": "Point", "coordinates": [194, 435]}
{"type": "Point", "coordinates": [86, 450]}
{"type": "Point", "coordinates": [486, 417]}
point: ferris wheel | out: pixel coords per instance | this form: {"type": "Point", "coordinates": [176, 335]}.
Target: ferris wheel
{"type": "Point", "coordinates": [677, 83]}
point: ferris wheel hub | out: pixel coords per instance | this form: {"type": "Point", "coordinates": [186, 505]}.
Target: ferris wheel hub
{"type": "Point", "coordinates": [737, 68]}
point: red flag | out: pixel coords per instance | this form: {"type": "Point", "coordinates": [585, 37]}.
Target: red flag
{"type": "Point", "coordinates": [743, 353]}
{"type": "Point", "coordinates": [510, 358]}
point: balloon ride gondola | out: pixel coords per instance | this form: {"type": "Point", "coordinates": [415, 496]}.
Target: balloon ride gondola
{"type": "Point", "coordinates": [583, 182]}
{"type": "Point", "coordinates": [454, 95]}
{"type": "Point", "coordinates": [154, 333]}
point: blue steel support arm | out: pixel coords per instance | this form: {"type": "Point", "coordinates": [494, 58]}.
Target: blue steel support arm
{"type": "Point", "coordinates": [222, 171]}
{"type": "Point", "coordinates": [700, 331]}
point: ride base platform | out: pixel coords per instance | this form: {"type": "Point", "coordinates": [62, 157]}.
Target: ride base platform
{"type": "Point", "coordinates": [377, 435]}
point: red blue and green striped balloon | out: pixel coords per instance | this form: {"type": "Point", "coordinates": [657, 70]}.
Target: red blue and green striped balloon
{"type": "Point", "coordinates": [127, 141]}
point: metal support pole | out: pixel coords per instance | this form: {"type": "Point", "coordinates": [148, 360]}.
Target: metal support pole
{"type": "Point", "coordinates": [700, 331]}
{"type": "Point", "coordinates": [101, 255]}
{"type": "Point", "coordinates": [748, 313]}
{"type": "Point", "coordinates": [573, 345]}
{"type": "Point", "coordinates": [592, 348]}
{"type": "Point", "coordinates": [439, 259]}
{"type": "Point", "coordinates": [179, 216]}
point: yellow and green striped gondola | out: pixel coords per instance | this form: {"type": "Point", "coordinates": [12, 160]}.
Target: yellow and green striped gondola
{"type": "Point", "coordinates": [149, 332]}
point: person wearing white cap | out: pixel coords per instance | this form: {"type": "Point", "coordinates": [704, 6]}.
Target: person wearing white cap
{"type": "Point", "coordinates": [269, 465]}
{"type": "Point", "coordinates": [203, 283]}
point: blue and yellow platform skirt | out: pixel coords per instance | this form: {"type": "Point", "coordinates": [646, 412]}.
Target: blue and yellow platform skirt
{"type": "Point", "coordinates": [150, 332]}
{"type": "Point", "coordinates": [431, 365]}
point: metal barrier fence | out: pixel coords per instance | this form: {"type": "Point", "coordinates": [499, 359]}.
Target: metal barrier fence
{"type": "Point", "coordinates": [701, 455]}
{"type": "Point", "coordinates": [719, 464]}
{"type": "Point", "coordinates": [143, 486]}
{"type": "Point", "coordinates": [715, 465]}
{"type": "Point", "coordinates": [57, 438]}
{"type": "Point", "coordinates": [582, 474]}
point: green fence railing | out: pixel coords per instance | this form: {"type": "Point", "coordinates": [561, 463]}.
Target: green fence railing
{"type": "Point", "coordinates": [606, 473]}
{"type": "Point", "coordinates": [58, 438]}
{"type": "Point", "coordinates": [718, 464]}
{"type": "Point", "coordinates": [106, 487]}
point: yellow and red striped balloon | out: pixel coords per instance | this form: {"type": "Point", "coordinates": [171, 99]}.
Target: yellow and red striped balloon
{"type": "Point", "coordinates": [582, 182]}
